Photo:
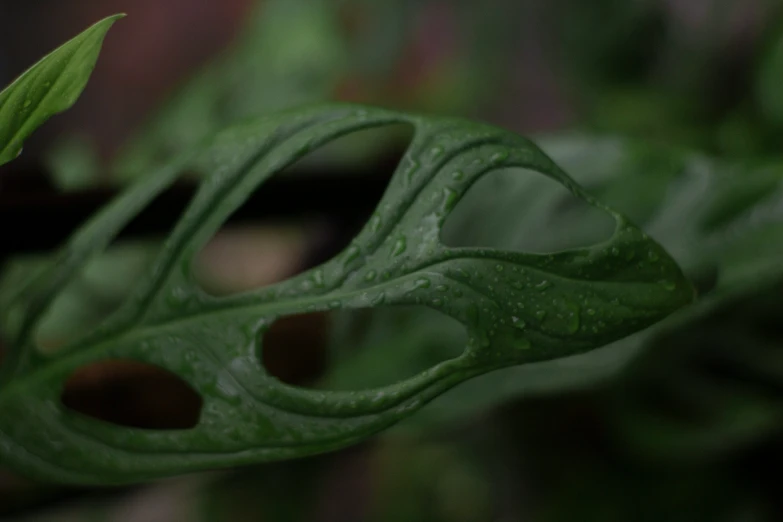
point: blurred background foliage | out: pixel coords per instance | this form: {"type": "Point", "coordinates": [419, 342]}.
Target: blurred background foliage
{"type": "Point", "coordinates": [668, 110]}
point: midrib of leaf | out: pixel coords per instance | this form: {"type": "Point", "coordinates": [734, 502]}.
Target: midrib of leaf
{"type": "Point", "coordinates": [68, 359]}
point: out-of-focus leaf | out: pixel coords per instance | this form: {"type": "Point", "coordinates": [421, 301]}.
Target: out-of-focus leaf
{"type": "Point", "coordinates": [708, 386]}
{"type": "Point", "coordinates": [73, 163]}
{"type": "Point", "coordinates": [290, 52]}
{"type": "Point", "coordinates": [50, 86]}
{"type": "Point", "coordinates": [769, 81]}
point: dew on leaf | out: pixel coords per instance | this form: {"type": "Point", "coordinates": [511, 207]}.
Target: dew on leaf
{"type": "Point", "coordinates": [399, 246]}
{"type": "Point", "coordinates": [572, 320]}
{"type": "Point", "coordinates": [669, 285]}
{"type": "Point", "coordinates": [352, 253]}
{"type": "Point", "coordinates": [375, 223]}
{"type": "Point", "coordinates": [543, 285]}
{"type": "Point", "coordinates": [422, 282]}
{"type": "Point", "coordinates": [518, 323]}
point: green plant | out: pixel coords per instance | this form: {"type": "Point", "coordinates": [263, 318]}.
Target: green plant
{"type": "Point", "coordinates": [50, 86]}
{"type": "Point", "coordinates": [517, 308]}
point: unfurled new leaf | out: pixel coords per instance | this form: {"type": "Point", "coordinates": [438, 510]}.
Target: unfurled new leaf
{"type": "Point", "coordinates": [50, 86]}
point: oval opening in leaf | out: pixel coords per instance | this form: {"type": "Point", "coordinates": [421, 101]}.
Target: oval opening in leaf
{"type": "Point", "coordinates": [133, 394]}
{"type": "Point", "coordinates": [357, 349]}
{"type": "Point", "coordinates": [522, 210]}
{"type": "Point", "coordinates": [306, 214]}
{"type": "Point", "coordinates": [244, 257]}
{"type": "Point", "coordinates": [294, 348]}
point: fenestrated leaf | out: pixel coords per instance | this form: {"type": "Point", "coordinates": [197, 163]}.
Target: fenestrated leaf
{"type": "Point", "coordinates": [50, 86]}
{"type": "Point", "coordinates": [517, 307]}
{"type": "Point", "coordinates": [719, 220]}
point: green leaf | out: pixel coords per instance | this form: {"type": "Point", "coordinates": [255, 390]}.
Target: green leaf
{"type": "Point", "coordinates": [719, 220]}
{"type": "Point", "coordinates": [50, 86]}
{"type": "Point", "coordinates": [213, 343]}
{"type": "Point", "coordinates": [770, 75]}
{"type": "Point", "coordinates": [693, 395]}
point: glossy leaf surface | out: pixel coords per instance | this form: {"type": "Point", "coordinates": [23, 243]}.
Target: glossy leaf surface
{"type": "Point", "coordinates": [50, 86]}
{"type": "Point", "coordinates": [721, 221]}
{"type": "Point", "coordinates": [516, 307]}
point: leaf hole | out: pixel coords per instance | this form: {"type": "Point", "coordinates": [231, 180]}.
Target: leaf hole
{"type": "Point", "coordinates": [356, 349]}
{"type": "Point", "coordinates": [294, 348]}
{"type": "Point", "coordinates": [518, 209]}
{"type": "Point", "coordinates": [304, 215]}
{"type": "Point", "coordinates": [132, 394]}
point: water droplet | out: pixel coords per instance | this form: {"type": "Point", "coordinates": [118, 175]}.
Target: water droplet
{"type": "Point", "coordinates": [499, 267]}
{"type": "Point", "coordinates": [437, 302]}
{"type": "Point", "coordinates": [463, 274]}
{"type": "Point", "coordinates": [572, 320]}
{"type": "Point", "coordinates": [352, 253]}
{"type": "Point", "coordinates": [652, 255]}
{"type": "Point", "coordinates": [441, 288]}
{"type": "Point", "coordinates": [590, 311]}
{"type": "Point", "coordinates": [422, 283]}
{"type": "Point", "coordinates": [399, 246]}
{"type": "Point", "coordinates": [375, 223]}
{"type": "Point", "coordinates": [318, 278]}
{"type": "Point", "coordinates": [370, 276]}
{"type": "Point", "coordinates": [449, 199]}
{"type": "Point", "coordinates": [412, 168]}
{"type": "Point", "coordinates": [517, 284]}
{"type": "Point", "coordinates": [457, 174]}
{"type": "Point", "coordinates": [27, 103]}
{"type": "Point", "coordinates": [436, 152]}
{"type": "Point", "coordinates": [543, 285]}
{"type": "Point", "coordinates": [669, 285]}
{"type": "Point", "coordinates": [334, 304]}
{"type": "Point", "coordinates": [540, 314]}
{"type": "Point", "coordinates": [615, 251]}
{"type": "Point", "coordinates": [518, 323]}
{"type": "Point", "coordinates": [498, 157]}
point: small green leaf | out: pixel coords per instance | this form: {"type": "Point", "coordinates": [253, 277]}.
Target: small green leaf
{"type": "Point", "coordinates": [213, 343]}
{"type": "Point", "coordinates": [50, 86]}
